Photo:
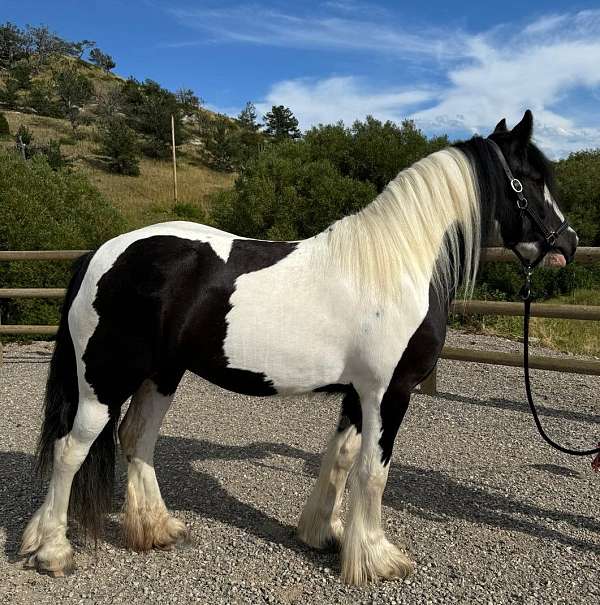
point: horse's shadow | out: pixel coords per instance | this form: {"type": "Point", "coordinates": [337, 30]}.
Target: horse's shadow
{"type": "Point", "coordinates": [422, 492]}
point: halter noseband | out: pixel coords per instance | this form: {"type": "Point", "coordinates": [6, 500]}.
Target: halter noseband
{"type": "Point", "coordinates": [550, 237]}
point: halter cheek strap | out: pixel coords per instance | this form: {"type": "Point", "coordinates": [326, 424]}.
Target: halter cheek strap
{"type": "Point", "coordinates": [523, 206]}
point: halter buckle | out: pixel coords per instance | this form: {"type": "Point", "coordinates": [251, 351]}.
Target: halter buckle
{"type": "Point", "coordinates": [522, 203]}
{"type": "Point", "coordinates": [516, 185]}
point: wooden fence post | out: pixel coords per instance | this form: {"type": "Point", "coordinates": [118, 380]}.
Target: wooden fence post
{"type": "Point", "coordinates": [429, 385]}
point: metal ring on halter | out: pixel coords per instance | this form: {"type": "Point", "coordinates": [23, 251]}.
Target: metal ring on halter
{"type": "Point", "coordinates": [551, 239]}
{"type": "Point", "coordinates": [516, 185]}
{"type": "Point", "coordinates": [522, 203]}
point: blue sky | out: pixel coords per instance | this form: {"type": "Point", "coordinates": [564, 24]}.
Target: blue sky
{"type": "Point", "coordinates": [454, 67]}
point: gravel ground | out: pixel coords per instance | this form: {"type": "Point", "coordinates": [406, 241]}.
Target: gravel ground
{"type": "Point", "coordinates": [490, 513]}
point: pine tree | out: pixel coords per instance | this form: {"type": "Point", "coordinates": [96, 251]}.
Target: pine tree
{"type": "Point", "coordinates": [247, 117]}
{"type": "Point", "coordinates": [13, 44]}
{"type": "Point", "coordinates": [119, 144]}
{"type": "Point", "coordinates": [281, 123]}
{"type": "Point", "coordinates": [102, 60]}
{"type": "Point", "coordinates": [74, 90]}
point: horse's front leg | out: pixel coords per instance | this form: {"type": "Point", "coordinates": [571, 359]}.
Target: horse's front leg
{"type": "Point", "coordinates": [366, 552]}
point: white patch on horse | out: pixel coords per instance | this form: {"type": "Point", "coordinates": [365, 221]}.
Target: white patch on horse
{"type": "Point", "coordinates": [529, 250]}
{"type": "Point", "coordinates": [550, 201]}
{"type": "Point", "coordinates": [343, 305]}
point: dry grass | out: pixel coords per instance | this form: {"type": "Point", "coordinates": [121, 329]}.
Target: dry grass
{"type": "Point", "coordinates": [142, 200]}
{"type": "Point", "coordinates": [149, 197]}
{"type": "Point", "coordinates": [567, 335]}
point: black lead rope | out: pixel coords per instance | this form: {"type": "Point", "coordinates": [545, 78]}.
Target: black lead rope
{"type": "Point", "coordinates": [526, 295]}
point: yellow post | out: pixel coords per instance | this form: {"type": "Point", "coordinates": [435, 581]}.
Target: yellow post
{"type": "Point", "coordinates": [174, 158]}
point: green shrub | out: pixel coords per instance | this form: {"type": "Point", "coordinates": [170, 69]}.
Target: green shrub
{"type": "Point", "coordinates": [578, 179]}
{"type": "Point", "coordinates": [149, 108]}
{"type": "Point", "coordinates": [45, 209]}
{"type": "Point", "coordinates": [24, 142]}
{"type": "Point", "coordinates": [53, 154]}
{"type": "Point", "coordinates": [21, 71]}
{"type": "Point", "coordinates": [24, 135]}
{"type": "Point", "coordinates": [9, 95]}
{"type": "Point", "coordinates": [227, 145]}
{"type": "Point", "coordinates": [4, 127]}
{"type": "Point", "coordinates": [282, 194]}
{"type": "Point", "coordinates": [119, 144]}
{"type": "Point", "coordinates": [371, 150]}
{"type": "Point", "coordinates": [41, 97]}
{"type": "Point", "coordinates": [189, 212]}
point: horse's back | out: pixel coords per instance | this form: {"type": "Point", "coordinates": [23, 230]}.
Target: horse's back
{"type": "Point", "coordinates": [156, 301]}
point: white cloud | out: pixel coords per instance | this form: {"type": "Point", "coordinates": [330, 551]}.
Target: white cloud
{"type": "Point", "coordinates": [467, 82]}
{"type": "Point", "coordinates": [333, 99]}
{"type": "Point", "coordinates": [499, 75]}
{"type": "Point", "coordinates": [534, 68]}
{"type": "Point", "coordinates": [333, 29]}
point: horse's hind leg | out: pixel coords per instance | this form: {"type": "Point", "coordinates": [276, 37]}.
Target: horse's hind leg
{"type": "Point", "coordinates": [320, 525]}
{"type": "Point", "coordinates": [45, 539]}
{"type": "Point", "coordinates": [147, 522]}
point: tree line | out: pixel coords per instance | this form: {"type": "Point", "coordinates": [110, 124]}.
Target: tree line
{"type": "Point", "coordinates": [289, 184]}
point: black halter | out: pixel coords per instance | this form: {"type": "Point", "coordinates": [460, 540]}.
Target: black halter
{"type": "Point", "coordinates": [523, 206]}
{"type": "Point", "coordinates": [550, 238]}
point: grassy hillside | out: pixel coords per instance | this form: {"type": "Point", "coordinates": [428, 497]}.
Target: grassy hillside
{"type": "Point", "coordinates": [144, 199]}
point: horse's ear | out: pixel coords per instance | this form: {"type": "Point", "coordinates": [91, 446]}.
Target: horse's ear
{"type": "Point", "coordinates": [501, 126]}
{"type": "Point", "coordinates": [523, 130]}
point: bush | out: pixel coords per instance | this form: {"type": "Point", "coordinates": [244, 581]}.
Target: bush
{"type": "Point", "coordinates": [282, 194]}
{"type": "Point", "coordinates": [294, 189]}
{"type": "Point", "coordinates": [46, 209]}
{"type": "Point", "coordinates": [40, 98]}
{"type": "Point", "coordinates": [149, 108]}
{"type": "Point", "coordinates": [53, 154]}
{"type": "Point", "coordinates": [578, 180]}
{"type": "Point", "coordinates": [4, 127]}
{"type": "Point", "coordinates": [21, 71]}
{"type": "Point", "coordinates": [372, 150]}
{"type": "Point", "coordinates": [227, 145]}
{"type": "Point", "coordinates": [189, 212]}
{"type": "Point", "coordinates": [119, 143]}
{"type": "Point", "coordinates": [9, 95]}
{"type": "Point", "coordinates": [74, 90]}
{"type": "Point", "coordinates": [24, 142]}
{"type": "Point", "coordinates": [503, 281]}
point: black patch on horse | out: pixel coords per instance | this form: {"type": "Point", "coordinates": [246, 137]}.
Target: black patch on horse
{"type": "Point", "coordinates": [162, 309]}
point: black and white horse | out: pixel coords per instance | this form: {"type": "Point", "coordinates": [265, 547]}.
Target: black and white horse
{"type": "Point", "coordinates": [360, 308]}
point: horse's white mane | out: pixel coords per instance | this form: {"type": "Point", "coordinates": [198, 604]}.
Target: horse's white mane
{"type": "Point", "coordinates": [413, 229]}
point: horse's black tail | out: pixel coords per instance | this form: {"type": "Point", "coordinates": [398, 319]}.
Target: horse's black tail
{"type": "Point", "coordinates": [91, 493]}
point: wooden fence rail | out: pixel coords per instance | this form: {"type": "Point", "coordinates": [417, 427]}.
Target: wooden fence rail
{"type": "Point", "coordinates": [584, 255]}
